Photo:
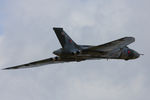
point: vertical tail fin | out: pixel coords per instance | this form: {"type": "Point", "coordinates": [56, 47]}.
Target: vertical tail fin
{"type": "Point", "coordinates": [64, 39]}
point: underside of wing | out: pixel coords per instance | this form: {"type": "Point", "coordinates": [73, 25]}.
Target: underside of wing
{"type": "Point", "coordinates": [39, 63]}
{"type": "Point", "coordinates": [120, 43]}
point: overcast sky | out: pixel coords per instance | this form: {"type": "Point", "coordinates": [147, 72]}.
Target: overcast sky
{"type": "Point", "coordinates": [26, 35]}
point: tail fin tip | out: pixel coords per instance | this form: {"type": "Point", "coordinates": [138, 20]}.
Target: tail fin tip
{"type": "Point", "coordinates": [57, 28]}
{"type": "Point", "coordinates": [63, 38]}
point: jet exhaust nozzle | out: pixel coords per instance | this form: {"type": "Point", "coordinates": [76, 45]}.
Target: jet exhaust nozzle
{"type": "Point", "coordinates": [77, 52]}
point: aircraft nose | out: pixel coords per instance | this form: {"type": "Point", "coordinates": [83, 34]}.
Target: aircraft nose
{"type": "Point", "coordinates": [137, 55]}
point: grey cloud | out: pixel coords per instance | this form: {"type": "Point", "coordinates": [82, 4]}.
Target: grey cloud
{"type": "Point", "coordinates": [28, 36]}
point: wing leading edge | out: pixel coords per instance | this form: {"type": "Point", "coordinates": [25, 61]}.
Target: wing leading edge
{"type": "Point", "coordinates": [120, 43]}
{"type": "Point", "coordinates": [38, 63]}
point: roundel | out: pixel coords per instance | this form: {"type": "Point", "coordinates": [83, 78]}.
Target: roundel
{"type": "Point", "coordinates": [129, 51]}
{"type": "Point", "coordinates": [70, 41]}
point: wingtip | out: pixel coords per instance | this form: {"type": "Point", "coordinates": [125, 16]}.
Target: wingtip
{"type": "Point", "coordinates": [130, 38]}
{"type": "Point", "coordinates": [10, 68]}
{"type": "Point", "coordinates": [5, 69]}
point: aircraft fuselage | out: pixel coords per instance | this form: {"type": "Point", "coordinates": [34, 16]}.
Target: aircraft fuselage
{"type": "Point", "coordinates": [71, 51]}
{"type": "Point", "coordinates": [124, 53]}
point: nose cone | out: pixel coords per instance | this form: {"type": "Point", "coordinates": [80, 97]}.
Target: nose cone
{"type": "Point", "coordinates": [136, 55]}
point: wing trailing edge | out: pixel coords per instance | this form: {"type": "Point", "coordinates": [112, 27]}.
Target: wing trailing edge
{"type": "Point", "coordinates": [116, 44]}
